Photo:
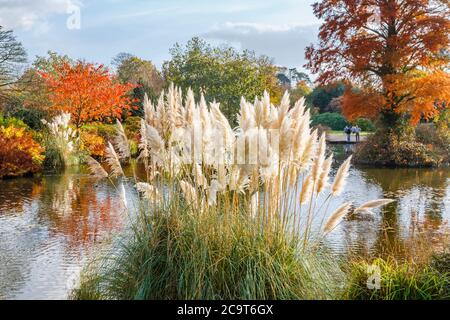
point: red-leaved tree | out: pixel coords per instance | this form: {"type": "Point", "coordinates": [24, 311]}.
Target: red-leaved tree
{"type": "Point", "coordinates": [88, 92]}
{"type": "Point", "coordinates": [395, 51]}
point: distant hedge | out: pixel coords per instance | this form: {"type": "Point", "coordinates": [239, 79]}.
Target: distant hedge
{"type": "Point", "coordinates": [366, 125]}
{"type": "Point", "coordinates": [335, 121]}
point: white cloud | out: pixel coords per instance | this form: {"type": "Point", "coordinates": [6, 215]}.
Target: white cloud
{"type": "Point", "coordinates": [32, 14]}
{"type": "Point", "coordinates": [285, 42]}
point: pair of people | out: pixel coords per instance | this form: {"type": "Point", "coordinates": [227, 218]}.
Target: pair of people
{"type": "Point", "coordinates": [355, 130]}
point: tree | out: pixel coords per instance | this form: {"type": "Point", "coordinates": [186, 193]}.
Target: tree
{"type": "Point", "coordinates": [292, 77]}
{"type": "Point", "coordinates": [12, 56]}
{"type": "Point", "coordinates": [29, 101]}
{"type": "Point", "coordinates": [322, 95]}
{"type": "Point", "coordinates": [88, 92]}
{"type": "Point", "coordinates": [301, 90]}
{"type": "Point", "coordinates": [142, 73]}
{"type": "Point", "coordinates": [222, 73]}
{"type": "Point", "coordinates": [395, 51]}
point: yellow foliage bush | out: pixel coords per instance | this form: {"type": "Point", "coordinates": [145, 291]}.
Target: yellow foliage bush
{"type": "Point", "coordinates": [20, 154]}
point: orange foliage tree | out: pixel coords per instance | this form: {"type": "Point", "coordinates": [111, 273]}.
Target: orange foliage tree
{"type": "Point", "coordinates": [88, 92]}
{"type": "Point", "coordinates": [395, 51]}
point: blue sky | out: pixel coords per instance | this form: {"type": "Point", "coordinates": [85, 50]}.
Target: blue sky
{"type": "Point", "coordinates": [148, 28]}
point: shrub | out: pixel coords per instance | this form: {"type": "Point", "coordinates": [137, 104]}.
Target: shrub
{"type": "Point", "coordinates": [106, 131]}
{"type": "Point", "coordinates": [365, 125]}
{"type": "Point", "coordinates": [17, 123]}
{"type": "Point", "coordinates": [436, 137]}
{"type": "Point", "coordinates": [132, 127]}
{"type": "Point", "coordinates": [19, 153]}
{"type": "Point", "coordinates": [399, 281]}
{"type": "Point", "coordinates": [31, 117]}
{"type": "Point", "coordinates": [93, 143]}
{"type": "Point", "coordinates": [391, 149]}
{"type": "Point", "coordinates": [335, 121]}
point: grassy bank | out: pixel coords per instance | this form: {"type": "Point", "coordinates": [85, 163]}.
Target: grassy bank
{"type": "Point", "coordinates": [400, 280]}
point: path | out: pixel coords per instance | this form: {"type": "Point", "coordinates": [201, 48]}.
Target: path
{"type": "Point", "coordinates": [341, 138]}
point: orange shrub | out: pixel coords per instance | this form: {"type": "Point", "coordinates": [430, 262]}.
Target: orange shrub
{"type": "Point", "coordinates": [19, 153]}
{"type": "Point", "coordinates": [93, 143]}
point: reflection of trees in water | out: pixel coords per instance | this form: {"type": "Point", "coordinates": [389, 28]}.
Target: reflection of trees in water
{"type": "Point", "coordinates": [78, 207]}
{"type": "Point", "coordinates": [68, 204]}
{"type": "Point", "coordinates": [17, 193]}
{"type": "Point", "coordinates": [47, 219]}
{"type": "Point", "coordinates": [20, 238]}
{"type": "Point", "coordinates": [421, 194]}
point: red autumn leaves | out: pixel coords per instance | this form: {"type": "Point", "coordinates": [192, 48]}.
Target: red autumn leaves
{"type": "Point", "coordinates": [393, 50]}
{"type": "Point", "coordinates": [88, 92]}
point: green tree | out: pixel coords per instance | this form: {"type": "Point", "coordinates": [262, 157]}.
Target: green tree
{"type": "Point", "coordinates": [335, 121]}
{"type": "Point", "coordinates": [131, 69]}
{"type": "Point", "coordinates": [322, 96]}
{"type": "Point", "coordinates": [222, 73]}
{"type": "Point", "coordinates": [47, 63]}
{"type": "Point", "coordinates": [301, 90]}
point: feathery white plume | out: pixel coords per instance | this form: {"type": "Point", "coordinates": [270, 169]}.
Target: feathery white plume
{"type": "Point", "coordinates": [323, 179]}
{"type": "Point", "coordinates": [121, 142]}
{"type": "Point", "coordinates": [96, 168]}
{"type": "Point", "coordinates": [336, 218]}
{"type": "Point", "coordinates": [374, 204]}
{"type": "Point", "coordinates": [339, 181]}
{"type": "Point", "coordinates": [149, 192]}
{"type": "Point", "coordinates": [113, 161]}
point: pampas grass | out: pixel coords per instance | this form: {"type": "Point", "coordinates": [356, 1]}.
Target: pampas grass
{"type": "Point", "coordinates": [149, 192]}
{"type": "Point", "coordinates": [61, 142]}
{"type": "Point", "coordinates": [191, 147]}
{"type": "Point", "coordinates": [96, 169]}
{"type": "Point", "coordinates": [369, 206]}
{"type": "Point", "coordinates": [113, 161]}
{"type": "Point", "coordinates": [121, 142]}
{"type": "Point", "coordinates": [337, 217]}
{"type": "Point", "coordinates": [340, 179]}
{"type": "Point", "coordinates": [261, 180]}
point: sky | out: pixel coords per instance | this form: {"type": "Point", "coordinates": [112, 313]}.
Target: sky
{"type": "Point", "coordinates": [97, 30]}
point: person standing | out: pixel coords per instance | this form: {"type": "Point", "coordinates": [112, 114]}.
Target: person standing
{"type": "Point", "coordinates": [353, 128]}
{"type": "Point", "coordinates": [348, 132]}
{"type": "Point", "coordinates": [357, 133]}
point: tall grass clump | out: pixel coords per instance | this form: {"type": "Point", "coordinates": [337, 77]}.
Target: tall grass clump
{"type": "Point", "coordinates": [400, 280]}
{"type": "Point", "coordinates": [60, 143]}
{"type": "Point", "coordinates": [224, 213]}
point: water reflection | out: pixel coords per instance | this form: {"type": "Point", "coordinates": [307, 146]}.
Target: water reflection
{"type": "Point", "coordinates": [48, 226]}
{"type": "Point", "coordinates": [423, 206]}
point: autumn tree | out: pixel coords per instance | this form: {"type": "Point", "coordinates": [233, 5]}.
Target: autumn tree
{"type": "Point", "coordinates": [395, 51]}
{"type": "Point", "coordinates": [88, 92]}
{"type": "Point", "coordinates": [29, 99]}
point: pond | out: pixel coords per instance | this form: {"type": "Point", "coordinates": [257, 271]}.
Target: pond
{"type": "Point", "coordinates": [50, 226]}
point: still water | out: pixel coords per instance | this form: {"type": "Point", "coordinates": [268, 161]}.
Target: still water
{"type": "Point", "coordinates": [50, 226]}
